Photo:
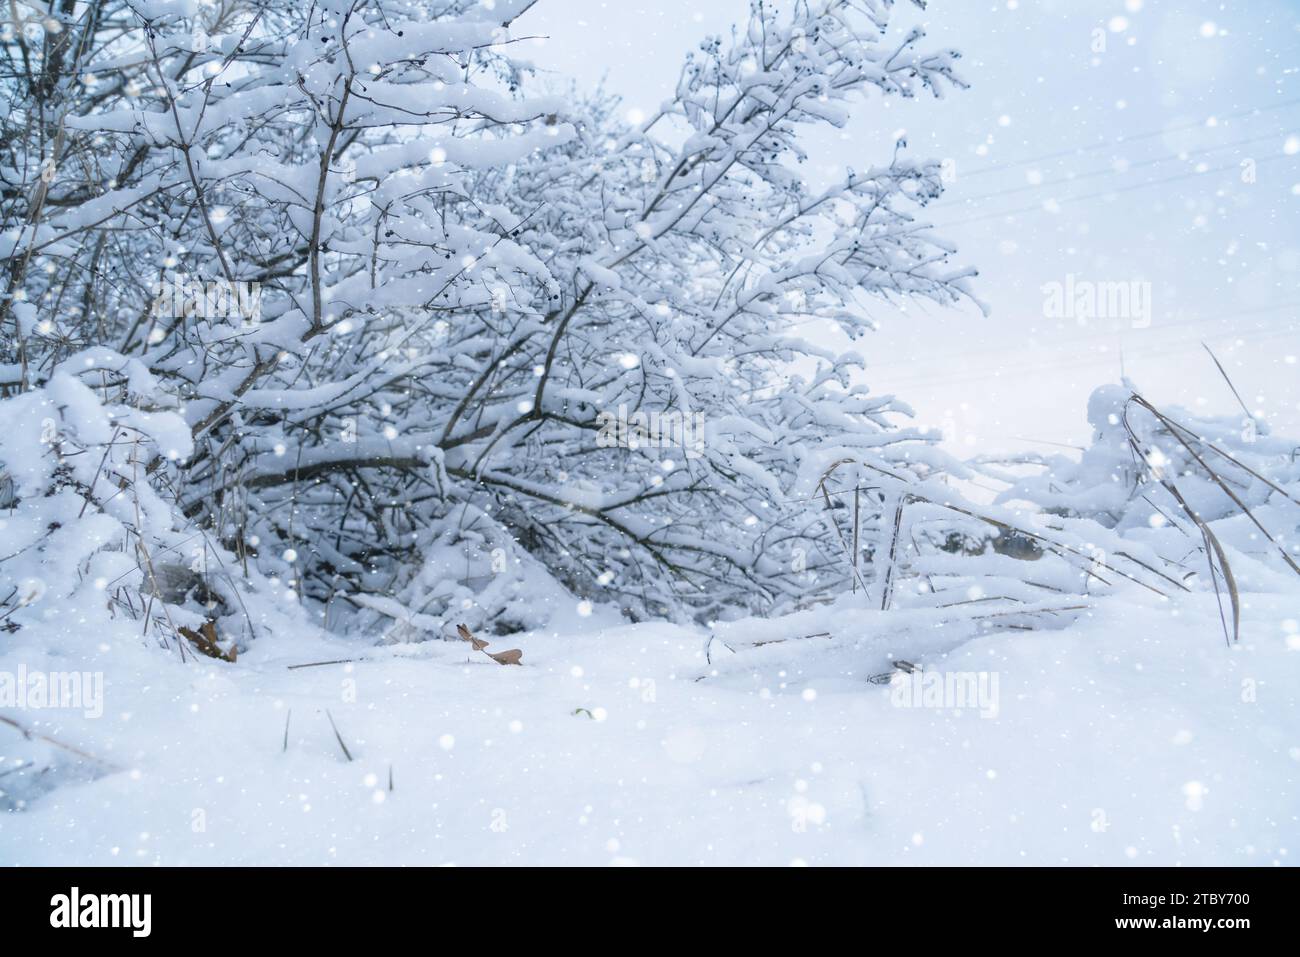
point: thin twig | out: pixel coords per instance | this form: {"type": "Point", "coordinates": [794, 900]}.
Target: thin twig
{"type": "Point", "coordinates": [320, 664]}
{"type": "Point", "coordinates": [29, 733]}
{"type": "Point", "coordinates": [346, 753]}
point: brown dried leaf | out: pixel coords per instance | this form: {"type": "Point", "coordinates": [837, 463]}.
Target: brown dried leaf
{"type": "Point", "coordinates": [205, 639]}
{"type": "Point", "coordinates": [478, 643]}
{"type": "Point", "coordinates": [510, 657]}
{"type": "Point", "coordinates": [199, 641]}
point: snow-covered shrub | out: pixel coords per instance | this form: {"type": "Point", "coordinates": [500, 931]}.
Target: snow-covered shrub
{"type": "Point", "coordinates": [684, 263]}
{"type": "Point", "coordinates": [263, 205]}
{"type": "Point", "coordinates": [435, 336]}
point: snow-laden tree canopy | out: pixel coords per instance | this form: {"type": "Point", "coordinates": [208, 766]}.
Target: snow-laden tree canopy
{"type": "Point", "coordinates": [441, 340]}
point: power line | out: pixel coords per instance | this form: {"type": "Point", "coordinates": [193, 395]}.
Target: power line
{"type": "Point", "coordinates": [1119, 172]}
{"type": "Point", "coordinates": [1135, 138]}
{"type": "Point", "coordinates": [1038, 207]}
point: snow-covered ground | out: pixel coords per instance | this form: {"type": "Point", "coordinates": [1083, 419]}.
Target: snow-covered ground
{"type": "Point", "coordinates": [1136, 736]}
